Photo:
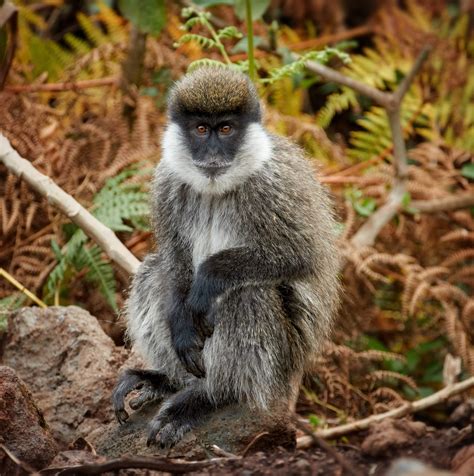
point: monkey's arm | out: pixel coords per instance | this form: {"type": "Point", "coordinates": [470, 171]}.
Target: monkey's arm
{"type": "Point", "coordinates": [279, 262]}
{"type": "Point", "coordinates": [185, 337]}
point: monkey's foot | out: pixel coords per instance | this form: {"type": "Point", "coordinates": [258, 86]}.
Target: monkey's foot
{"type": "Point", "coordinates": [178, 415]}
{"type": "Point", "coordinates": [152, 385]}
{"type": "Point", "coordinates": [168, 432]}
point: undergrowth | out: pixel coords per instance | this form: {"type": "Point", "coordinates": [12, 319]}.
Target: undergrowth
{"type": "Point", "coordinates": [407, 300]}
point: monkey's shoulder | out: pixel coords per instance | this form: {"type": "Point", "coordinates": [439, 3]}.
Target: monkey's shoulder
{"type": "Point", "coordinates": [291, 158]}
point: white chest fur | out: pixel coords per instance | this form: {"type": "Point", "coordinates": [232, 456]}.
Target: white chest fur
{"type": "Point", "coordinates": [211, 230]}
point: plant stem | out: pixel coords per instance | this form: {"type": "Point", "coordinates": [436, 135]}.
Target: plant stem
{"type": "Point", "coordinates": [216, 38]}
{"type": "Point", "coordinates": [251, 57]}
{"type": "Point", "coordinates": [18, 285]}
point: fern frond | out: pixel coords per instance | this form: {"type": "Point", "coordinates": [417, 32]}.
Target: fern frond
{"type": "Point", "coordinates": [118, 202]}
{"type": "Point", "coordinates": [298, 66]}
{"type": "Point", "coordinates": [205, 62]}
{"type": "Point", "coordinates": [202, 41]}
{"type": "Point", "coordinates": [113, 22]}
{"type": "Point", "coordinates": [8, 304]}
{"type": "Point", "coordinates": [229, 32]}
{"type": "Point", "coordinates": [46, 55]}
{"type": "Point", "coordinates": [99, 271]}
{"type": "Point", "coordinates": [92, 31]}
{"type": "Point", "coordinates": [335, 104]}
{"type": "Point", "coordinates": [78, 45]}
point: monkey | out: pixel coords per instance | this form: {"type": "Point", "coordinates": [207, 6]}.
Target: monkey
{"type": "Point", "coordinates": [243, 288]}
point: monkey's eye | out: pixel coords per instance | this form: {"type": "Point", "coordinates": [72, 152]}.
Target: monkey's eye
{"type": "Point", "coordinates": [202, 130]}
{"type": "Point", "coordinates": [225, 129]}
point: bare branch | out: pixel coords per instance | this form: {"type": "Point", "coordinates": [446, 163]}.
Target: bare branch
{"type": "Point", "coordinates": [100, 233]}
{"type": "Point", "coordinates": [405, 84]}
{"type": "Point", "coordinates": [368, 232]}
{"type": "Point", "coordinates": [329, 74]}
{"type": "Point", "coordinates": [445, 204]}
{"type": "Point", "coordinates": [410, 407]}
{"type": "Point", "coordinates": [132, 462]}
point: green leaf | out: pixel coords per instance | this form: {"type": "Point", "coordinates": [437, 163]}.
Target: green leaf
{"type": "Point", "coordinates": [259, 7]}
{"type": "Point", "coordinates": [56, 250]}
{"type": "Point", "coordinates": [365, 206]}
{"type": "Point", "coordinates": [152, 92]}
{"type": "Point", "coordinates": [468, 171]}
{"type": "Point", "coordinates": [242, 46]}
{"type": "Point", "coordinates": [149, 16]}
{"type": "Point", "coordinates": [314, 420]}
{"type": "Point", "coordinates": [101, 272]}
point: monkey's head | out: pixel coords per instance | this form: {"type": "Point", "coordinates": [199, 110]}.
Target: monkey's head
{"type": "Point", "coordinates": [215, 138]}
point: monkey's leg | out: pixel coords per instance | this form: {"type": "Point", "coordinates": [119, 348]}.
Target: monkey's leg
{"type": "Point", "coordinates": [257, 351]}
{"type": "Point", "coordinates": [254, 356]}
{"type": "Point", "coordinates": [153, 385]}
{"type": "Point", "coordinates": [148, 309]}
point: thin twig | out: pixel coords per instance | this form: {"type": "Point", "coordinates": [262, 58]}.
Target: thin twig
{"type": "Point", "coordinates": [135, 462]}
{"type": "Point", "coordinates": [65, 86]}
{"type": "Point", "coordinates": [254, 440]}
{"type": "Point", "coordinates": [408, 79]}
{"type": "Point", "coordinates": [408, 408]}
{"type": "Point", "coordinates": [22, 288]}
{"type": "Point", "coordinates": [100, 233]}
{"type": "Point", "coordinates": [220, 452]}
{"type": "Point", "coordinates": [25, 466]}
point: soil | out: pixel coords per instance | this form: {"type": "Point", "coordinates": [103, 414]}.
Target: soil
{"type": "Point", "coordinates": [438, 449]}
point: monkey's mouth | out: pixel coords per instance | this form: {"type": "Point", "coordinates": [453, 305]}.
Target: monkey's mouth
{"type": "Point", "coordinates": [213, 171]}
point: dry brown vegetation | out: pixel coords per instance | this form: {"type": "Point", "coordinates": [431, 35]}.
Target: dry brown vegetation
{"type": "Point", "coordinates": [413, 288]}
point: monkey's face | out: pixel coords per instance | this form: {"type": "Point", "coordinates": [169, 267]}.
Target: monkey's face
{"type": "Point", "coordinates": [213, 141]}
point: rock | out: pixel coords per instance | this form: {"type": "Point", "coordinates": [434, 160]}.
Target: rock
{"type": "Point", "coordinates": [303, 466]}
{"type": "Point", "coordinates": [413, 467]}
{"type": "Point", "coordinates": [23, 429]}
{"type": "Point", "coordinates": [389, 434]}
{"type": "Point", "coordinates": [68, 362]}
{"type": "Point", "coordinates": [463, 461]}
{"type": "Point", "coordinates": [231, 429]}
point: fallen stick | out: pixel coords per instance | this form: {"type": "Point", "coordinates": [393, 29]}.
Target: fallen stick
{"type": "Point", "coordinates": [132, 462]}
{"type": "Point", "coordinates": [410, 407]}
{"type": "Point", "coordinates": [55, 195]}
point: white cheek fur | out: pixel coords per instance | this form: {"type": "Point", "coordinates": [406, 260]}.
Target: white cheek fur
{"type": "Point", "coordinates": [255, 150]}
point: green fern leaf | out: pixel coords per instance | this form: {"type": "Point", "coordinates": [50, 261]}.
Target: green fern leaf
{"type": "Point", "coordinates": [100, 272]}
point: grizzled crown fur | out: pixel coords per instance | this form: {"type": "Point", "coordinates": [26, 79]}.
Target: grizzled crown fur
{"type": "Point", "coordinates": [214, 90]}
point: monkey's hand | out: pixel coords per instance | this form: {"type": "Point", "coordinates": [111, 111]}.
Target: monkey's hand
{"type": "Point", "coordinates": [187, 341]}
